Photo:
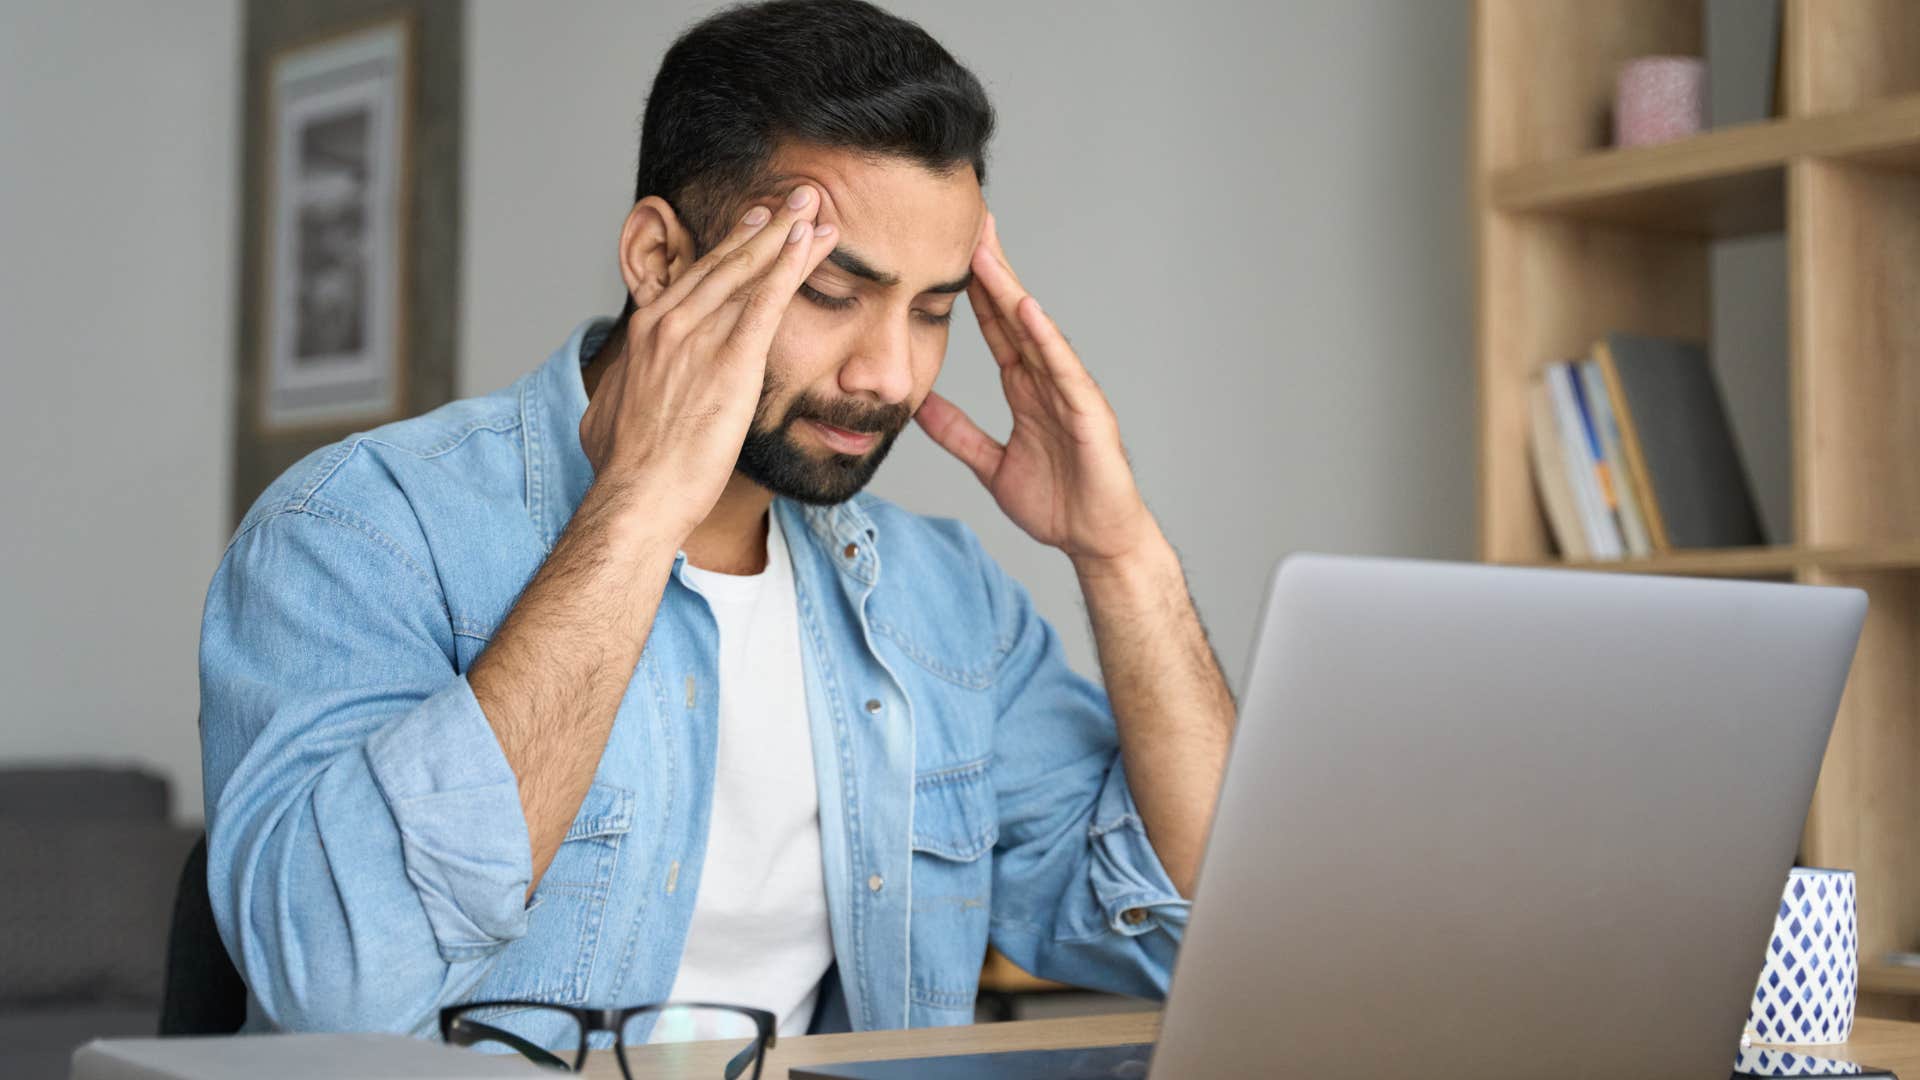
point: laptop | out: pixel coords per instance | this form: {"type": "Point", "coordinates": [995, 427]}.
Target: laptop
{"type": "Point", "coordinates": [1490, 822]}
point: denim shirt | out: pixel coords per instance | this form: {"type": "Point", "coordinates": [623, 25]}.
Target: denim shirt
{"type": "Point", "coordinates": [368, 860]}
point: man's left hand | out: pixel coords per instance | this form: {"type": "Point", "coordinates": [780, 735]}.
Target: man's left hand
{"type": "Point", "coordinates": [1061, 475]}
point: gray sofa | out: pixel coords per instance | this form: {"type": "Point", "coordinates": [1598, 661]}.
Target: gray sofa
{"type": "Point", "coordinates": [90, 859]}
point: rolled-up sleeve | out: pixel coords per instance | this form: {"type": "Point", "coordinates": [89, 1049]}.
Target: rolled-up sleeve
{"type": "Point", "coordinates": [367, 854]}
{"type": "Point", "coordinates": [1078, 894]}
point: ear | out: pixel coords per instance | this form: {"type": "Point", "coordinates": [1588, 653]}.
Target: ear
{"type": "Point", "coordinates": [655, 249]}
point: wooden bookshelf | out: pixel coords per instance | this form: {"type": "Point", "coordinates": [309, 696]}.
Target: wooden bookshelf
{"type": "Point", "coordinates": [1576, 240]}
{"type": "Point", "coordinates": [1756, 562]}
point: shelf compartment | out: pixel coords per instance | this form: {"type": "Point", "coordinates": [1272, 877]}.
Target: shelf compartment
{"type": "Point", "coordinates": [1779, 562]}
{"type": "Point", "coordinates": [1724, 183]}
{"type": "Point", "coordinates": [1880, 978]}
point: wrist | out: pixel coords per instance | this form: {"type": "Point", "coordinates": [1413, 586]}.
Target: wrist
{"type": "Point", "coordinates": [1148, 560]}
{"type": "Point", "coordinates": [630, 522]}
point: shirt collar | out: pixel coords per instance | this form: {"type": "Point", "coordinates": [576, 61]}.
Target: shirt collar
{"type": "Point", "coordinates": [552, 404]}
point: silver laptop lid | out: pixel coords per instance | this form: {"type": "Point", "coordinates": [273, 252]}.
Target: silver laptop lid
{"type": "Point", "coordinates": [1486, 822]}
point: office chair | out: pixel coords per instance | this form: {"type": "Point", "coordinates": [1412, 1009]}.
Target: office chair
{"type": "Point", "coordinates": [204, 994]}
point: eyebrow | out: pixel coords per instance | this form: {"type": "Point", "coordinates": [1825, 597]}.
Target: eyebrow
{"type": "Point", "coordinates": [861, 268]}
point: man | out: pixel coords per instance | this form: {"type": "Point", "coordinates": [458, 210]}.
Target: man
{"type": "Point", "coordinates": [610, 688]}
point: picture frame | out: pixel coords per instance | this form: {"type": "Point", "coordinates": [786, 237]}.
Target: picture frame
{"type": "Point", "coordinates": [347, 312]}
{"type": "Point", "coordinates": [336, 214]}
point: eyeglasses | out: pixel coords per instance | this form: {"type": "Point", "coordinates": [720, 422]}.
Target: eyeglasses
{"type": "Point", "coordinates": [546, 1034]}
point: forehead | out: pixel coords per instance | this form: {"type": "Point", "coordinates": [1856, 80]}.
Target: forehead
{"type": "Point", "coordinates": [898, 215]}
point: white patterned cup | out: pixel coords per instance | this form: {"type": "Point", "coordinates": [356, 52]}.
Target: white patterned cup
{"type": "Point", "coordinates": [1811, 980]}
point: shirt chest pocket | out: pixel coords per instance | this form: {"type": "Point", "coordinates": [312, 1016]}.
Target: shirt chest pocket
{"type": "Point", "coordinates": [565, 924]}
{"type": "Point", "coordinates": [955, 826]}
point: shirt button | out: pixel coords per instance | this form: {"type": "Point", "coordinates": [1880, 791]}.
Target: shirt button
{"type": "Point", "coordinates": [851, 550]}
{"type": "Point", "coordinates": [873, 705]}
{"type": "Point", "coordinates": [1134, 916]}
{"type": "Point", "coordinates": [875, 882]}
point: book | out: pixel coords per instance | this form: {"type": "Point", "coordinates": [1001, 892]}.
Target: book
{"type": "Point", "coordinates": [290, 1057]}
{"type": "Point", "coordinates": [1633, 526]}
{"type": "Point", "coordinates": [1603, 536]}
{"type": "Point", "coordinates": [1596, 457]}
{"type": "Point", "coordinates": [1550, 474]}
{"type": "Point", "coordinates": [1677, 443]}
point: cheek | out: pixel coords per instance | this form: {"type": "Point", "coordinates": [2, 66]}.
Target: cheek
{"type": "Point", "coordinates": [806, 350]}
{"type": "Point", "coordinates": [929, 356]}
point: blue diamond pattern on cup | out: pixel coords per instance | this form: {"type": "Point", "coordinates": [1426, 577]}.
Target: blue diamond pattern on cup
{"type": "Point", "coordinates": [1806, 989]}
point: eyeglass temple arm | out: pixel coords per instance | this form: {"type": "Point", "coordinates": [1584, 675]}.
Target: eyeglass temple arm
{"type": "Point", "coordinates": [469, 1032]}
{"type": "Point", "coordinates": [744, 1058]}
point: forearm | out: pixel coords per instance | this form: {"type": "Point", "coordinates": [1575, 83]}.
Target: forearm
{"type": "Point", "coordinates": [1170, 701]}
{"type": "Point", "coordinates": [551, 680]}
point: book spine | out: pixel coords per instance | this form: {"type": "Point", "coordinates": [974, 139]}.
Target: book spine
{"type": "Point", "coordinates": [1603, 537]}
{"type": "Point", "coordinates": [1633, 526]}
{"type": "Point", "coordinates": [1550, 473]}
{"type": "Point", "coordinates": [1630, 450]}
{"type": "Point", "coordinates": [1595, 455]}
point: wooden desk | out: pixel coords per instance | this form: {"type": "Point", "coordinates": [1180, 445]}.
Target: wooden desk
{"type": "Point", "coordinates": [702, 1061]}
{"type": "Point", "coordinates": [1889, 1044]}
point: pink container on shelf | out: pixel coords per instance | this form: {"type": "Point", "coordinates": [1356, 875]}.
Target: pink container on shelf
{"type": "Point", "coordinates": [1658, 99]}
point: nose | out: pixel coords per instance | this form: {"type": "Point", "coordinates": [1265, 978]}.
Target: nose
{"type": "Point", "coordinates": [881, 365]}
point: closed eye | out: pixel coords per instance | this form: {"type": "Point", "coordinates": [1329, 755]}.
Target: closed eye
{"type": "Point", "coordinates": [831, 303]}
{"type": "Point", "coordinates": [842, 303]}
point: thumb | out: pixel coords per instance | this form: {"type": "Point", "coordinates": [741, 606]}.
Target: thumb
{"type": "Point", "coordinates": [957, 434]}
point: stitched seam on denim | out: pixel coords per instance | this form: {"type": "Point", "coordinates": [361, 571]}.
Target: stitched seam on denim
{"type": "Point", "coordinates": [974, 847]}
{"type": "Point", "coordinates": [340, 515]}
{"type": "Point", "coordinates": [533, 450]}
{"type": "Point", "coordinates": [584, 888]}
{"type": "Point", "coordinates": [600, 912]}
{"type": "Point", "coordinates": [1124, 821]}
{"type": "Point", "coordinates": [942, 999]}
{"type": "Point", "coordinates": [469, 628]}
{"type": "Point", "coordinates": [450, 442]}
{"type": "Point", "coordinates": [323, 472]}
{"type": "Point", "coordinates": [651, 672]}
{"type": "Point", "coordinates": [968, 848]}
{"type": "Point", "coordinates": [849, 800]}
{"type": "Point", "coordinates": [971, 679]}
{"type": "Point", "coordinates": [952, 773]}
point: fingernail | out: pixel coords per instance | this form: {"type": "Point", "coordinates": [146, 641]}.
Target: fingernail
{"type": "Point", "coordinates": [800, 196]}
{"type": "Point", "coordinates": [758, 216]}
{"type": "Point", "coordinates": [794, 234]}
{"type": "Point", "coordinates": [822, 230]}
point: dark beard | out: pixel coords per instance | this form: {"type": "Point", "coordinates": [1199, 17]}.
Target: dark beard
{"type": "Point", "coordinates": [774, 459]}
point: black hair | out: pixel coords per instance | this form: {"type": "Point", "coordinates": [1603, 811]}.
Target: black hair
{"type": "Point", "coordinates": [837, 73]}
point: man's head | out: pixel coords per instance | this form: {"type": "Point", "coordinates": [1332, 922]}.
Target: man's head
{"type": "Point", "coordinates": [892, 132]}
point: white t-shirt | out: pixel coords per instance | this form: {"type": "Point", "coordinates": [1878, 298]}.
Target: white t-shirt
{"type": "Point", "coordinates": [760, 935]}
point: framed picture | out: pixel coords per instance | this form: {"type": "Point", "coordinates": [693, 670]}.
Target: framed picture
{"type": "Point", "coordinates": [333, 348]}
{"type": "Point", "coordinates": [349, 260]}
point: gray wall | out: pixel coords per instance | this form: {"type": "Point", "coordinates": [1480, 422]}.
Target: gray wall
{"type": "Point", "coordinates": [1749, 275]}
{"type": "Point", "coordinates": [117, 157]}
{"type": "Point", "coordinates": [1251, 218]}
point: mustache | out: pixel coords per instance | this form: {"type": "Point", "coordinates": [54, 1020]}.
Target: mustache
{"type": "Point", "coordinates": [850, 415]}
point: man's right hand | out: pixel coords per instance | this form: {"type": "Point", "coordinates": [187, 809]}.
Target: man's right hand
{"type": "Point", "coordinates": [668, 418]}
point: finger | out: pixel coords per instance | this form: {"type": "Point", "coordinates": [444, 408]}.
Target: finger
{"type": "Point", "coordinates": [1063, 366]}
{"type": "Point", "coordinates": [749, 258]}
{"type": "Point", "coordinates": [957, 434]}
{"type": "Point", "coordinates": [759, 308]}
{"type": "Point", "coordinates": [999, 342]}
{"type": "Point", "coordinates": [1004, 292]}
{"type": "Point", "coordinates": [745, 228]}
{"type": "Point", "coordinates": [992, 239]}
